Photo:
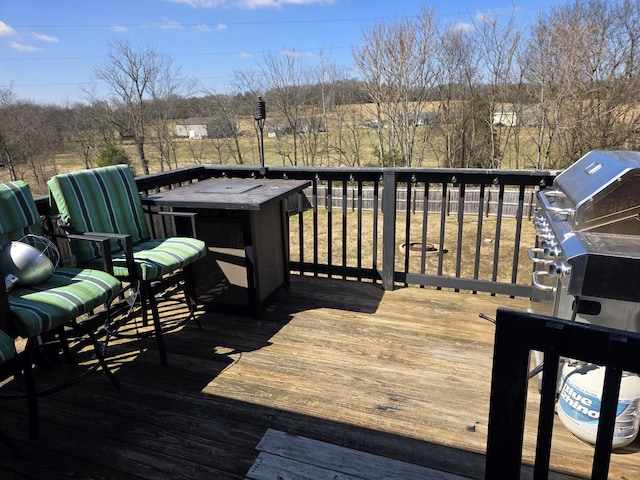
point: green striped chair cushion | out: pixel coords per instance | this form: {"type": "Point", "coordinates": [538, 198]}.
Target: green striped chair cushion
{"type": "Point", "coordinates": [100, 200]}
{"type": "Point", "coordinates": [107, 200]}
{"type": "Point", "coordinates": [69, 293]}
{"type": "Point", "coordinates": [7, 347]}
{"type": "Point", "coordinates": [158, 257]}
{"type": "Point", "coordinates": [18, 215]}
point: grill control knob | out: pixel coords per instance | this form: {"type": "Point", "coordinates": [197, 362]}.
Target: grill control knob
{"type": "Point", "coordinates": [544, 233]}
{"type": "Point", "coordinates": [546, 240]}
{"type": "Point", "coordinates": [561, 269]}
{"type": "Point", "coordinates": [540, 222]}
{"type": "Point", "coordinates": [551, 251]}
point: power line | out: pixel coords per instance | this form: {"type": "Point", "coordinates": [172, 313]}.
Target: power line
{"type": "Point", "coordinates": [265, 22]}
{"type": "Point", "coordinates": [195, 54]}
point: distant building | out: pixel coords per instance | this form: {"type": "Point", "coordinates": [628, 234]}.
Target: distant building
{"type": "Point", "coordinates": [205, 127]}
{"type": "Point", "coordinates": [193, 128]}
{"type": "Point", "coordinates": [525, 116]}
{"type": "Point", "coordinates": [428, 119]}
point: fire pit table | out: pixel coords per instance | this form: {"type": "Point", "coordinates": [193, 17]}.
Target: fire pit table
{"type": "Point", "coordinates": [244, 224]}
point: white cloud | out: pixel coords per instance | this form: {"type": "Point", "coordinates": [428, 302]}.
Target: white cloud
{"type": "Point", "coordinates": [253, 4]}
{"type": "Point", "coordinates": [245, 55]}
{"type": "Point", "coordinates": [165, 25]}
{"type": "Point", "coordinates": [463, 27]}
{"type": "Point", "coordinates": [201, 3]}
{"type": "Point", "coordinates": [291, 53]}
{"type": "Point", "coordinates": [45, 38]}
{"type": "Point", "coordinates": [202, 28]}
{"type": "Point", "coordinates": [484, 17]}
{"type": "Point", "coordinates": [23, 48]}
{"type": "Point", "coordinates": [249, 4]}
{"type": "Point", "coordinates": [119, 28]}
{"type": "Point", "coordinates": [221, 26]}
{"type": "Point", "coordinates": [168, 25]}
{"type": "Point", "coordinates": [6, 30]}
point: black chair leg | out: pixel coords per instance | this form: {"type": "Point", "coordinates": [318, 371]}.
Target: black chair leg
{"type": "Point", "coordinates": [150, 300]}
{"type": "Point", "coordinates": [190, 294]}
{"type": "Point", "coordinates": [64, 344]}
{"type": "Point", "coordinates": [100, 351]}
{"type": "Point", "coordinates": [30, 388]}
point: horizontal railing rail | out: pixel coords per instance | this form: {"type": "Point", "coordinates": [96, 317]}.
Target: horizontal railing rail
{"type": "Point", "coordinates": [451, 198]}
{"type": "Point", "coordinates": [473, 235]}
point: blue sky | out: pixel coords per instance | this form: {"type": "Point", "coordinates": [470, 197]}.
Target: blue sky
{"type": "Point", "coordinates": [50, 48]}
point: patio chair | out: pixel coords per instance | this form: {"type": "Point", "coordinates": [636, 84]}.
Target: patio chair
{"type": "Point", "coordinates": [49, 305]}
{"type": "Point", "coordinates": [106, 201]}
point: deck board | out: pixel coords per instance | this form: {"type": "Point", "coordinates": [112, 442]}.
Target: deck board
{"type": "Point", "coordinates": [290, 457]}
{"type": "Point", "coordinates": [403, 374]}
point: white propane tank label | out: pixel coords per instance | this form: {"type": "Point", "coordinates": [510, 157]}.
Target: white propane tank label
{"type": "Point", "coordinates": [580, 399]}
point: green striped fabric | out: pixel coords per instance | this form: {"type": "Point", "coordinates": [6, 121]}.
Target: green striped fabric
{"type": "Point", "coordinates": [67, 294]}
{"type": "Point", "coordinates": [18, 215]}
{"type": "Point", "coordinates": [107, 200]}
{"type": "Point", "coordinates": [158, 257]}
{"type": "Point", "coordinates": [99, 200]}
{"type": "Point", "coordinates": [7, 347]}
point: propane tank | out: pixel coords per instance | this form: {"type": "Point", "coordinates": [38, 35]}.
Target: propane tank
{"type": "Point", "coordinates": [580, 398]}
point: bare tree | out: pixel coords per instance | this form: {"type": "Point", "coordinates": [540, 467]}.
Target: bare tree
{"type": "Point", "coordinates": [10, 138]}
{"type": "Point", "coordinates": [226, 134]}
{"type": "Point", "coordinates": [131, 76]}
{"type": "Point", "coordinates": [369, 61]}
{"type": "Point", "coordinates": [243, 106]}
{"type": "Point", "coordinates": [30, 137]}
{"type": "Point", "coordinates": [497, 44]}
{"type": "Point", "coordinates": [582, 66]}
{"type": "Point", "coordinates": [286, 79]}
{"type": "Point", "coordinates": [398, 65]}
{"type": "Point", "coordinates": [89, 129]}
{"type": "Point", "coordinates": [166, 94]}
{"type": "Point", "coordinates": [345, 133]}
{"type": "Point", "coordinates": [457, 57]}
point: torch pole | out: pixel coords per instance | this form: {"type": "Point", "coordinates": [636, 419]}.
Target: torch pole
{"type": "Point", "coordinates": [260, 116]}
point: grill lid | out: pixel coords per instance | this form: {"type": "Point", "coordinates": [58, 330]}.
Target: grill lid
{"type": "Point", "coordinates": [600, 192]}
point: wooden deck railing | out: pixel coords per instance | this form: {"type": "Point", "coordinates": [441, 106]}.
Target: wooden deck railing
{"type": "Point", "coordinates": [464, 229]}
{"type": "Point", "coordinates": [481, 241]}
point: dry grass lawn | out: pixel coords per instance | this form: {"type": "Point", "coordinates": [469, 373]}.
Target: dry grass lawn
{"type": "Point", "coordinates": [471, 234]}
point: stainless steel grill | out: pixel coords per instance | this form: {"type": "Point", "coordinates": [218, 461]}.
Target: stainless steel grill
{"type": "Point", "coordinates": [587, 253]}
{"type": "Point", "coordinates": [587, 269]}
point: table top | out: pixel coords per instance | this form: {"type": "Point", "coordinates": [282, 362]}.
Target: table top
{"type": "Point", "coordinates": [228, 193]}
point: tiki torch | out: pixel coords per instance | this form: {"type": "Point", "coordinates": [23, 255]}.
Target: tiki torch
{"type": "Point", "coordinates": [260, 116]}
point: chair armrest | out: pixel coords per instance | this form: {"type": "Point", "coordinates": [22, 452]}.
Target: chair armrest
{"type": "Point", "coordinates": [104, 245]}
{"type": "Point", "coordinates": [102, 240]}
{"type": "Point", "coordinates": [125, 240]}
{"type": "Point", "coordinates": [191, 216]}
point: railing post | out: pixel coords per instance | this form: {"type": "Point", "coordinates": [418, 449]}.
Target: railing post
{"type": "Point", "coordinates": [388, 228]}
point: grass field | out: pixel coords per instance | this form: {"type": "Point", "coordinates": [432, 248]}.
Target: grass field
{"type": "Point", "coordinates": [467, 249]}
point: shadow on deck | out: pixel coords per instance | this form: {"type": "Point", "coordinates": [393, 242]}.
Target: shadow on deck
{"type": "Point", "coordinates": [403, 374]}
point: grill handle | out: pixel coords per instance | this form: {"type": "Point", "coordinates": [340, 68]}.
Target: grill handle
{"type": "Point", "coordinates": [535, 279]}
{"type": "Point", "coordinates": [532, 252]}
{"type": "Point", "coordinates": [550, 208]}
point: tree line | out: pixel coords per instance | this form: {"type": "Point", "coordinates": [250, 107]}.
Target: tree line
{"type": "Point", "coordinates": [487, 93]}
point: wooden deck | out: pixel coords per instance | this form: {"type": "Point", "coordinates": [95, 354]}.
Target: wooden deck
{"type": "Point", "coordinates": [403, 374]}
